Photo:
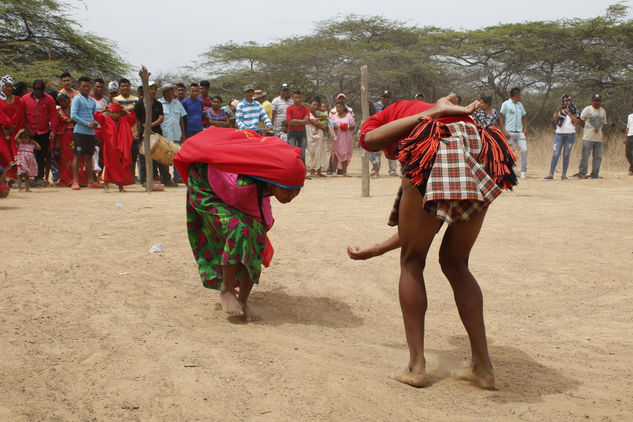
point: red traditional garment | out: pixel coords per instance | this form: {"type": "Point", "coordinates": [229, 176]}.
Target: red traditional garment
{"type": "Point", "coordinates": [11, 121]}
{"type": "Point", "coordinates": [117, 147]}
{"type": "Point", "coordinates": [244, 152]}
{"type": "Point", "coordinates": [65, 128]}
{"type": "Point", "coordinates": [398, 110]}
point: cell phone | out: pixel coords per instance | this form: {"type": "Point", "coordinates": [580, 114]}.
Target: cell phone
{"type": "Point", "coordinates": [563, 106]}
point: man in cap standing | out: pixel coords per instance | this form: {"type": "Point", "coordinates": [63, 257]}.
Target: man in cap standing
{"type": "Point", "coordinates": [173, 125]}
{"type": "Point", "coordinates": [593, 118]}
{"type": "Point", "coordinates": [249, 112]}
{"type": "Point", "coordinates": [41, 120]}
{"type": "Point", "coordinates": [279, 106]}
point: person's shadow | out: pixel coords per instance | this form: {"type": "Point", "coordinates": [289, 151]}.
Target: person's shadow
{"type": "Point", "coordinates": [277, 307]}
{"type": "Point", "coordinates": [519, 377]}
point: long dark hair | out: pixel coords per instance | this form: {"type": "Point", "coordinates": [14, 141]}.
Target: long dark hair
{"type": "Point", "coordinates": [261, 185]}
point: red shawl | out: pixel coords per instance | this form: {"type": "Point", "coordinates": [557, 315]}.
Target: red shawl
{"type": "Point", "coordinates": [244, 152]}
{"type": "Point", "coordinates": [117, 148]}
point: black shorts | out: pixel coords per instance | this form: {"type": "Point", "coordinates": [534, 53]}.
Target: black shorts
{"type": "Point", "coordinates": [84, 144]}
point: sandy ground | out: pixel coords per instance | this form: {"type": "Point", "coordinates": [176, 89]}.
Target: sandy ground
{"type": "Point", "coordinates": [94, 328]}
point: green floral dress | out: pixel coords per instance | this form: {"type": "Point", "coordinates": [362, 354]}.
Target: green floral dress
{"type": "Point", "coordinates": [220, 234]}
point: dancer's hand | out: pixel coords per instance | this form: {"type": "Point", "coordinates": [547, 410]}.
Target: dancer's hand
{"type": "Point", "coordinates": [357, 253]}
{"type": "Point", "coordinates": [447, 106]}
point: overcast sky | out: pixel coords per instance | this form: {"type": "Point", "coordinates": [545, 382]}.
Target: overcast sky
{"type": "Point", "coordinates": [179, 31]}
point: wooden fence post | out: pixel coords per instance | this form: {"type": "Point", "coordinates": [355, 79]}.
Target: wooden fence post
{"type": "Point", "coordinates": [147, 101]}
{"type": "Point", "coordinates": [364, 102]}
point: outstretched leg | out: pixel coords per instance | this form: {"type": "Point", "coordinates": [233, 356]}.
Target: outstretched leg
{"type": "Point", "coordinates": [454, 252]}
{"type": "Point", "coordinates": [416, 230]}
{"type": "Point", "coordinates": [229, 302]}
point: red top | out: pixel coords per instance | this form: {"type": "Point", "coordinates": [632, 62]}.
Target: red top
{"type": "Point", "coordinates": [398, 110]}
{"type": "Point", "coordinates": [300, 113]}
{"type": "Point", "coordinates": [41, 115]}
{"type": "Point", "coordinates": [243, 152]}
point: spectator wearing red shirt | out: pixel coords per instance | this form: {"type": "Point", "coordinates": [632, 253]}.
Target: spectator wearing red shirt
{"type": "Point", "coordinates": [41, 121]}
{"type": "Point", "coordinates": [297, 116]}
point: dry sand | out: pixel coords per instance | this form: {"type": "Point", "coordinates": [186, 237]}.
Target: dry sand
{"type": "Point", "coordinates": [94, 328]}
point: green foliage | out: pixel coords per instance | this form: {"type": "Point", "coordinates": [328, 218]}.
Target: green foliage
{"type": "Point", "coordinates": [545, 59]}
{"type": "Point", "coordinates": [39, 40]}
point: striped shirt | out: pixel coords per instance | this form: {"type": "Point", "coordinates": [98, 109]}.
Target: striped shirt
{"type": "Point", "coordinates": [247, 115]}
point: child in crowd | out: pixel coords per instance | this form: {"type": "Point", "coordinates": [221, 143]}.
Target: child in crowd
{"type": "Point", "coordinates": [27, 165]}
{"type": "Point", "coordinates": [230, 176]}
{"type": "Point", "coordinates": [284, 131]}
{"type": "Point", "coordinates": [116, 130]}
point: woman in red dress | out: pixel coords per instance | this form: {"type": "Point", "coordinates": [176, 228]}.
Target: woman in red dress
{"type": "Point", "coordinates": [11, 120]}
{"type": "Point", "coordinates": [64, 140]}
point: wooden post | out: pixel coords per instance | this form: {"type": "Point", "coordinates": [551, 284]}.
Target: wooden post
{"type": "Point", "coordinates": [364, 102]}
{"type": "Point", "coordinates": [147, 101]}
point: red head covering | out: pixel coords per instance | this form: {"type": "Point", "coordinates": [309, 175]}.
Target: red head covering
{"type": "Point", "coordinates": [243, 152]}
{"type": "Point", "coordinates": [114, 107]}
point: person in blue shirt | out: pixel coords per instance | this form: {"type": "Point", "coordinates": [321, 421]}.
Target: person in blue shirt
{"type": "Point", "coordinates": [513, 124]}
{"type": "Point", "coordinates": [82, 111]}
{"type": "Point", "coordinates": [193, 106]}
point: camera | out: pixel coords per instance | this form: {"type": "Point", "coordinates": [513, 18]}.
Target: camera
{"type": "Point", "coordinates": [563, 106]}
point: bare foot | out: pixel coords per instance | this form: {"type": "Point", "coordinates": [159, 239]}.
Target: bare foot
{"type": "Point", "coordinates": [28, 189]}
{"type": "Point", "coordinates": [230, 305]}
{"type": "Point", "coordinates": [412, 378]}
{"type": "Point", "coordinates": [121, 189]}
{"type": "Point", "coordinates": [250, 315]}
{"type": "Point", "coordinates": [479, 378]}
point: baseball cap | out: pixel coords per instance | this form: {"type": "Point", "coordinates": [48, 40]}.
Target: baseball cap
{"type": "Point", "coordinates": [386, 93]}
{"type": "Point", "coordinates": [113, 87]}
{"type": "Point", "coordinates": [249, 88]}
{"type": "Point", "coordinates": [340, 94]}
{"type": "Point", "coordinates": [419, 95]}
{"type": "Point", "coordinates": [596, 97]}
{"type": "Point", "coordinates": [152, 83]}
{"type": "Point", "coordinates": [284, 86]}
{"type": "Point", "coordinates": [38, 85]}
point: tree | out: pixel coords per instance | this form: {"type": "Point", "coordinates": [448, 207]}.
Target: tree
{"type": "Point", "coordinates": [38, 39]}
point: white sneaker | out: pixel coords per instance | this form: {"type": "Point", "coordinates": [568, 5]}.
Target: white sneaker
{"type": "Point", "coordinates": [522, 175]}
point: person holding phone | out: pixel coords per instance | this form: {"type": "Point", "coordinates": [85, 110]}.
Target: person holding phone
{"type": "Point", "coordinates": [566, 117]}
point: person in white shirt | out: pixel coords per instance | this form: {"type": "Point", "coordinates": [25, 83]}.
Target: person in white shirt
{"type": "Point", "coordinates": [629, 142]}
{"type": "Point", "coordinates": [566, 117]}
{"type": "Point", "coordinates": [593, 119]}
{"type": "Point", "coordinates": [280, 104]}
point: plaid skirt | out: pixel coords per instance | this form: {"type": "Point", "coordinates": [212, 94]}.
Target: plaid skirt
{"type": "Point", "coordinates": [455, 185]}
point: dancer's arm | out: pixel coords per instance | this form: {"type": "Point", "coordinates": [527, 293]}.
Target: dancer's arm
{"type": "Point", "coordinates": [376, 250]}
{"type": "Point", "coordinates": [387, 134]}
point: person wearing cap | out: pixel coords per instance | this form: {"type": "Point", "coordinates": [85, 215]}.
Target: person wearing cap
{"type": "Point", "coordinates": [40, 112]}
{"type": "Point", "coordinates": [513, 125]}
{"type": "Point", "coordinates": [158, 117]}
{"type": "Point", "coordinates": [593, 118]}
{"type": "Point", "coordinates": [66, 80]}
{"type": "Point", "coordinates": [11, 121]}
{"type": "Point", "coordinates": [113, 91]}
{"type": "Point", "coordinates": [249, 112]}
{"type": "Point", "coordinates": [173, 125]}
{"type": "Point", "coordinates": [82, 110]}
{"type": "Point", "coordinates": [419, 96]}
{"type": "Point", "coordinates": [193, 106]}
{"type": "Point", "coordinates": [279, 106]}
{"type": "Point", "coordinates": [341, 97]}
{"type": "Point", "coordinates": [260, 97]}
{"type": "Point", "coordinates": [385, 100]}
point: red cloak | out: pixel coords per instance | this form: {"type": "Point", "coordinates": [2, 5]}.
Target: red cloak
{"type": "Point", "coordinates": [244, 152]}
{"type": "Point", "coordinates": [117, 148]}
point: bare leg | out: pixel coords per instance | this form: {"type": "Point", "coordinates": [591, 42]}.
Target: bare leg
{"type": "Point", "coordinates": [27, 182]}
{"type": "Point", "coordinates": [344, 165]}
{"type": "Point", "coordinates": [230, 304]}
{"type": "Point", "coordinates": [106, 188]}
{"type": "Point", "coordinates": [246, 285]}
{"type": "Point", "coordinates": [76, 168]}
{"type": "Point", "coordinates": [334, 164]}
{"type": "Point", "coordinates": [454, 252]}
{"type": "Point", "coordinates": [416, 230]}
{"type": "Point", "coordinates": [121, 189]}
{"type": "Point", "coordinates": [88, 167]}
